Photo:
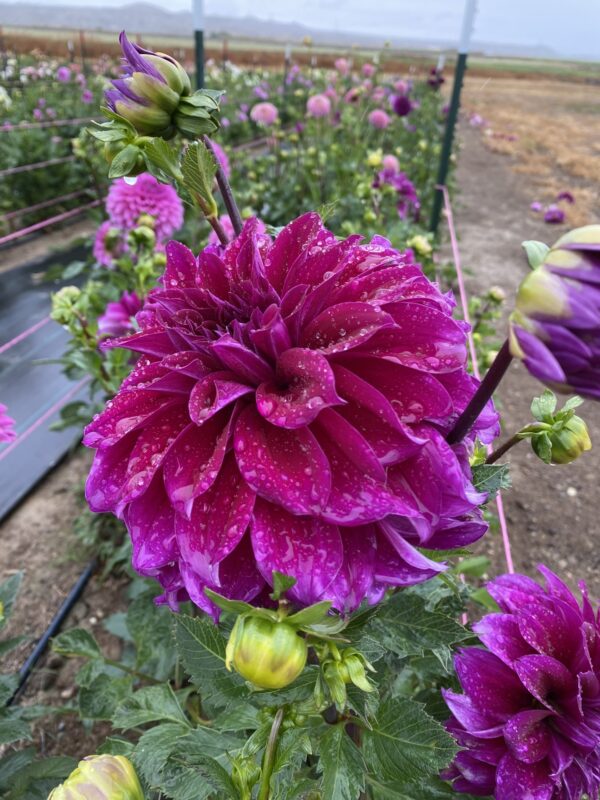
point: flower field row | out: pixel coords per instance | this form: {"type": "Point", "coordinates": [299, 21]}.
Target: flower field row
{"type": "Point", "coordinates": [292, 452]}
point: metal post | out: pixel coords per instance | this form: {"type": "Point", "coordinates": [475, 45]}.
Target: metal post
{"type": "Point", "coordinates": [82, 51]}
{"type": "Point", "coordinates": [461, 66]}
{"type": "Point", "coordinates": [198, 18]}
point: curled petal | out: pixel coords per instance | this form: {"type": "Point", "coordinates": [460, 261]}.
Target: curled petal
{"type": "Point", "coordinates": [214, 392]}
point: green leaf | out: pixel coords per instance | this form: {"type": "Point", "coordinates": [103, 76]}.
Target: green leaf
{"type": "Point", "coordinates": [234, 606]}
{"type": "Point", "coordinates": [35, 780]}
{"type": "Point", "coordinates": [154, 748]}
{"type": "Point", "coordinates": [13, 730]}
{"type": "Point", "coordinates": [199, 169]}
{"type": "Point", "coordinates": [535, 251]}
{"type": "Point", "coordinates": [475, 566]}
{"type": "Point", "coordinates": [572, 403]}
{"type": "Point", "coordinates": [406, 627]}
{"type": "Point", "coordinates": [485, 599]}
{"type": "Point", "coordinates": [13, 763]}
{"type": "Point", "coordinates": [124, 162]}
{"type": "Point", "coordinates": [100, 699]}
{"type": "Point", "coordinates": [160, 154]}
{"type": "Point", "coordinates": [433, 789]}
{"type": "Point", "coordinates": [281, 583]}
{"type": "Point", "coordinates": [76, 642]}
{"type": "Point", "coordinates": [342, 765]}
{"type": "Point", "coordinates": [150, 704]}
{"type": "Point", "coordinates": [544, 405]}
{"type": "Point", "coordinates": [240, 717]}
{"type": "Point", "coordinates": [8, 686]}
{"type": "Point", "coordinates": [195, 764]}
{"type": "Point", "coordinates": [8, 593]}
{"type": "Point", "coordinates": [201, 647]}
{"type": "Point", "coordinates": [116, 746]}
{"type": "Point", "coordinates": [406, 744]}
{"type": "Point", "coordinates": [491, 478]}
{"type": "Point", "coordinates": [310, 615]}
{"type": "Point", "coordinates": [543, 447]}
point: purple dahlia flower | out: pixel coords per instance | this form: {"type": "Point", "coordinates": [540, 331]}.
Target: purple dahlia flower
{"type": "Point", "coordinates": [288, 413]}
{"type": "Point", "coordinates": [126, 202]}
{"type": "Point", "coordinates": [529, 718]}
{"type": "Point", "coordinates": [108, 244]}
{"type": "Point", "coordinates": [221, 157]}
{"type": "Point", "coordinates": [117, 317]}
{"type": "Point", "coordinates": [435, 79]}
{"type": "Point", "coordinates": [554, 215]}
{"type": "Point", "coordinates": [401, 104]}
{"type": "Point", "coordinates": [555, 328]}
{"type": "Point", "coordinates": [7, 425]}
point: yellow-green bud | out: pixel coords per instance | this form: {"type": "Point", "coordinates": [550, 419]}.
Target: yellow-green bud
{"type": "Point", "coordinates": [568, 443]}
{"type": "Point", "coordinates": [268, 654]}
{"type": "Point", "coordinates": [63, 302]}
{"type": "Point", "coordinates": [101, 777]}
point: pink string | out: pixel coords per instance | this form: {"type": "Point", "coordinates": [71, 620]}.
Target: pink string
{"type": "Point", "coordinates": [58, 123]}
{"type": "Point", "coordinates": [465, 307]}
{"type": "Point", "coordinates": [45, 416]}
{"type": "Point", "coordinates": [38, 165]}
{"type": "Point", "coordinates": [46, 222]}
{"type": "Point", "coordinates": [20, 212]}
{"type": "Point", "coordinates": [24, 335]}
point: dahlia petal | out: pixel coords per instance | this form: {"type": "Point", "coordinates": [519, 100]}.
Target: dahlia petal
{"type": "Point", "coordinates": [454, 532]}
{"type": "Point", "coordinates": [538, 359]}
{"type": "Point", "coordinates": [151, 447]}
{"type": "Point", "coordinates": [422, 338]}
{"type": "Point", "coordinates": [212, 275]}
{"type": "Point", "coordinates": [309, 387]}
{"type": "Point", "coordinates": [414, 395]}
{"type": "Point", "coordinates": [290, 243]}
{"type": "Point", "coordinates": [344, 326]}
{"type": "Point", "coordinates": [150, 520]}
{"type": "Point", "coordinates": [273, 337]}
{"type": "Point", "coordinates": [492, 686]}
{"type": "Point", "coordinates": [518, 781]}
{"type": "Point", "coordinates": [214, 392]}
{"type": "Point", "coordinates": [528, 736]}
{"type": "Point", "coordinates": [104, 485]}
{"type": "Point", "coordinates": [475, 777]}
{"type": "Point", "coordinates": [306, 548]}
{"type": "Point", "coordinates": [352, 444]}
{"type": "Point", "coordinates": [217, 523]}
{"type": "Point", "coordinates": [398, 563]}
{"type": "Point", "coordinates": [476, 720]}
{"type": "Point", "coordinates": [501, 635]}
{"type": "Point", "coordinates": [194, 461]}
{"type": "Point", "coordinates": [287, 467]}
{"type": "Point", "coordinates": [355, 577]}
{"type": "Point", "coordinates": [180, 272]}
{"type": "Point", "coordinates": [123, 414]}
{"type": "Point", "coordinates": [157, 377]}
{"type": "Point", "coordinates": [153, 342]}
{"type": "Point", "coordinates": [461, 387]}
{"type": "Point", "coordinates": [559, 588]}
{"type": "Point", "coordinates": [545, 678]}
{"type": "Point", "coordinates": [552, 632]}
{"type": "Point", "coordinates": [321, 262]}
{"type": "Point", "coordinates": [241, 360]}
{"type": "Point", "coordinates": [513, 592]}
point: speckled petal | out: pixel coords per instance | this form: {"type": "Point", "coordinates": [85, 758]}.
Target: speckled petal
{"type": "Point", "coordinates": [344, 326]}
{"type": "Point", "coordinates": [290, 244]}
{"type": "Point", "coordinates": [180, 272]}
{"type": "Point", "coordinates": [214, 392]}
{"type": "Point", "coordinates": [244, 362]}
{"type": "Point", "coordinates": [308, 549]}
{"type": "Point", "coordinates": [353, 581]}
{"type": "Point", "coordinates": [150, 520]}
{"type": "Point", "coordinates": [528, 736]}
{"type": "Point", "coordinates": [500, 634]}
{"type": "Point", "coordinates": [123, 414]}
{"type": "Point", "coordinates": [492, 686]}
{"type": "Point", "coordinates": [549, 681]}
{"type": "Point", "coordinates": [104, 486]}
{"type": "Point", "coordinates": [518, 781]}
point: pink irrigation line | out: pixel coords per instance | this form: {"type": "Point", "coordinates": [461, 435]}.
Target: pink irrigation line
{"type": "Point", "coordinates": [20, 212]}
{"type": "Point", "coordinates": [45, 416]}
{"type": "Point", "coordinates": [24, 335]}
{"type": "Point", "coordinates": [55, 123]}
{"type": "Point", "coordinates": [465, 306]}
{"type": "Point", "coordinates": [10, 237]}
{"type": "Point", "coordinates": [38, 165]}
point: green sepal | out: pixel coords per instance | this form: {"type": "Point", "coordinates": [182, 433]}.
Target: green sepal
{"type": "Point", "coordinates": [536, 252]}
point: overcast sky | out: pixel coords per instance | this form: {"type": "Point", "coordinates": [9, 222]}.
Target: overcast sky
{"type": "Point", "coordinates": [570, 28]}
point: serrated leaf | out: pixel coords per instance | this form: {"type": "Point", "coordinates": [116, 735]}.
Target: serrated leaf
{"type": "Point", "coordinates": [198, 764]}
{"type": "Point", "coordinates": [124, 161]}
{"type": "Point", "coordinates": [8, 686]}
{"type": "Point", "coordinates": [201, 647]}
{"type": "Point", "coordinates": [150, 704]}
{"type": "Point", "coordinates": [342, 765]}
{"type": "Point", "coordinates": [154, 748]}
{"type": "Point", "coordinates": [164, 157]}
{"type": "Point", "coordinates": [13, 730]}
{"type": "Point", "coordinates": [12, 763]}
{"type": "Point", "coordinates": [406, 744]}
{"type": "Point", "coordinates": [199, 169]}
{"type": "Point", "coordinates": [8, 593]}
{"type": "Point", "coordinates": [116, 746]}
{"type": "Point", "coordinates": [76, 642]}
{"type": "Point", "coordinates": [544, 405]}
{"type": "Point", "coordinates": [240, 717]}
{"type": "Point", "coordinates": [38, 778]}
{"type": "Point", "coordinates": [406, 627]}
{"type": "Point", "coordinates": [433, 789]}
{"type": "Point", "coordinates": [281, 583]}
{"type": "Point", "coordinates": [491, 478]}
{"type": "Point", "coordinates": [100, 699]}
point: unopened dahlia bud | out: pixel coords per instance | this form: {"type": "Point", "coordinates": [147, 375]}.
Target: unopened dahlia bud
{"type": "Point", "coordinates": [63, 303]}
{"type": "Point", "coordinates": [555, 328]}
{"type": "Point", "coordinates": [268, 654]}
{"type": "Point", "coordinates": [101, 777]}
{"type": "Point", "coordinates": [567, 443]}
{"type": "Point", "coordinates": [345, 667]}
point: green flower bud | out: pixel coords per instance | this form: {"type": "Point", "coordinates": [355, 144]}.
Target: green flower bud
{"type": "Point", "coordinates": [142, 236]}
{"type": "Point", "coordinates": [268, 654]}
{"type": "Point", "coordinates": [101, 777]}
{"type": "Point", "coordinates": [567, 443]}
{"type": "Point", "coordinates": [63, 303]}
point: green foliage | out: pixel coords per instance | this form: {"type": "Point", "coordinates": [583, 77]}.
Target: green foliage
{"type": "Point", "coordinates": [491, 478]}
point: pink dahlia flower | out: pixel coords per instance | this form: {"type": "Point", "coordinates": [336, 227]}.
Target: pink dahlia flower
{"type": "Point", "coordinates": [7, 425]}
{"type": "Point", "coordinates": [529, 718]}
{"type": "Point", "coordinates": [368, 70]}
{"type": "Point", "coordinates": [342, 65]}
{"type": "Point", "coordinates": [379, 119]}
{"type": "Point", "coordinates": [117, 317]}
{"type": "Point", "coordinates": [126, 202]}
{"type": "Point", "coordinates": [390, 164]}
{"type": "Point", "coordinates": [63, 74]}
{"type": "Point", "coordinates": [108, 244]}
{"type": "Point", "coordinates": [288, 413]}
{"type": "Point", "coordinates": [264, 114]}
{"type": "Point", "coordinates": [319, 105]}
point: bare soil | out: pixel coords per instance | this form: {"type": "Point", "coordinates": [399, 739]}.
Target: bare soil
{"type": "Point", "coordinates": [38, 246]}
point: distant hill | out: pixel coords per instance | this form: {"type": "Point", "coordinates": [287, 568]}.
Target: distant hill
{"type": "Point", "coordinates": [146, 18]}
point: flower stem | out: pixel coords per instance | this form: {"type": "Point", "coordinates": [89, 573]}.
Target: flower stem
{"type": "Point", "coordinates": [141, 675]}
{"type": "Point", "coordinates": [226, 193]}
{"type": "Point", "coordinates": [269, 757]}
{"type": "Point", "coordinates": [486, 389]}
{"type": "Point", "coordinates": [212, 219]}
{"type": "Point", "coordinates": [504, 448]}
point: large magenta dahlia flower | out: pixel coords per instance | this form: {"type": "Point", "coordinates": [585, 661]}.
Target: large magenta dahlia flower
{"type": "Point", "coordinates": [288, 413]}
{"type": "Point", "coordinates": [529, 718]}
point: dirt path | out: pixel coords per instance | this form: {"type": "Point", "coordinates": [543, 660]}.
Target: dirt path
{"type": "Point", "coordinates": [552, 511]}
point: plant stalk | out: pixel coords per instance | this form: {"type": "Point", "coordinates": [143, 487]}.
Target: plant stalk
{"type": "Point", "coordinates": [226, 193]}
{"type": "Point", "coordinates": [269, 758]}
{"type": "Point", "coordinates": [486, 389]}
{"type": "Point", "coordinates": [504, 448]}
{"type": "Point", "coordinates": [141, 675]}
